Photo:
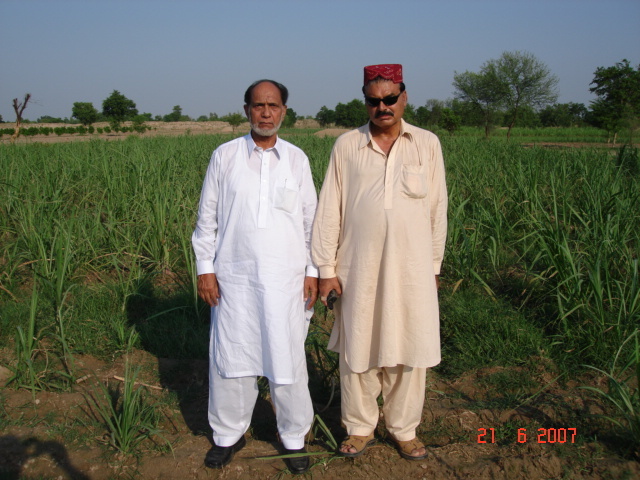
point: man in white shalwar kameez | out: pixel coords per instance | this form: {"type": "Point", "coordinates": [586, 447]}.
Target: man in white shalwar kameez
{"type": "Point", "coordinates": [378, 240]}
{"type": "Point", "coordinates": [252, 246]}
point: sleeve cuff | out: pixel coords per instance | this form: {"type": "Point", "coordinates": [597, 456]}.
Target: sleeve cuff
{"type": "Point", "coordinates": [327, 272]}
{"type": "Point", "coordinates": [204, 266]}
{"type": "Point", "coordinates": [312, 271]}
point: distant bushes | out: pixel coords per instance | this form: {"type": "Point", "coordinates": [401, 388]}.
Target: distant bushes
{"type": "Point", "coordinates": [69, 130]}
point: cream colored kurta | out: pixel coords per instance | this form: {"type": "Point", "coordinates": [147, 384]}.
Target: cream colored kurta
{"type": "Point", "coordinates": [380, 227]}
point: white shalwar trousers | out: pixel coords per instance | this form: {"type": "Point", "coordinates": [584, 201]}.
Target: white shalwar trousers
{"type": "Point", "coordinates": [231, 403]}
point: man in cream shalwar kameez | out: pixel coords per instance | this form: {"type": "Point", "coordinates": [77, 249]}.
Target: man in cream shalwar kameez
{"type": "Point", "coordinates": [378, 240]}
{"type": "Point", "coordinates": [252, 244]}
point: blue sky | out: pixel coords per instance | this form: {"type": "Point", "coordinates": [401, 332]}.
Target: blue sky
{"type": "Point", "coordinates": [202, 55]}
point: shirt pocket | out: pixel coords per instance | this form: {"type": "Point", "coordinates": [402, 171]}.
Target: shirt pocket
{"type": "Point", "coordinates": [286, 198]}
{"type": "Point", "coordinates": [414, 182]}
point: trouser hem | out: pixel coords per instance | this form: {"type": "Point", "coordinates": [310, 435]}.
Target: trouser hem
{"type": "Point", "coordinates": [225, 441]}
{"type": "Point", "coordinates": [290, 443]}
{"type": "Point", "coordinates": [405, 437]}
{"type": "Point", "coordinates": [360, 432]}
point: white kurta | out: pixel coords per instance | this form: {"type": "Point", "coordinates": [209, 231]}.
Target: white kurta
{"type": "Point", "coordinates": [254, 232]}
{"type": "Point", "coordinates": [380, 229]}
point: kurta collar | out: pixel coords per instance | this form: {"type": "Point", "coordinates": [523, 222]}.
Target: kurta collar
{"type": "Point", "coordinates": [251, 146]}
{"type": "Point", "coordinates": [366, 133]}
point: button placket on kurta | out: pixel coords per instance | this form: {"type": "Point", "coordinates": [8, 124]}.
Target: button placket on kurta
{"type": "Point", "coordinates": [389, 179]}
{"type": "Point", "coordinates": [263, 206]}
{"type": "Point", "coordinates": [389, 174]}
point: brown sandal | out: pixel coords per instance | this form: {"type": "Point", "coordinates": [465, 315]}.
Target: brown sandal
{"type": "Point", "coordinates": [405, 448]}
{"type": "Point", "coordinates": [358, 442]}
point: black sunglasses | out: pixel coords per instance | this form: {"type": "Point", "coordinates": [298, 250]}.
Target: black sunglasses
{"type": "Point", "coordinates": [388, 100]}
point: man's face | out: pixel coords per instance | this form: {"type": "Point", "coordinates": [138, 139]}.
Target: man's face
{"type": "Point", "coordinates": [385, 116]}
{"type": "Point", "coordinates": [266, 111]}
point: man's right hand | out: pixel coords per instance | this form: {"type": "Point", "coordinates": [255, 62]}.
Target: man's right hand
{"type": "Point", "coordinates": [326, 285]}
{"type": "Point", "coordinates": [208, 289]}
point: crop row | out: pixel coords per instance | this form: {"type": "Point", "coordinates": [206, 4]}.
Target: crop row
{"type": "Point", "coordinates": [66, 130]}
{"type": "Point", "coordinates": [102, 231]}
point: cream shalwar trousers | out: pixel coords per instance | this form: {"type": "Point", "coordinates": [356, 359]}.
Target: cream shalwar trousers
{"type": "Point", "coordinates": [402, 388]}
{"type": "Point", "coordinates": [231, 402]}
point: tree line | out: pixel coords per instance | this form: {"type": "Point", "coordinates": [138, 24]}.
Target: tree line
{"type": "Point", "coordinates": [515, 89]}
{"type": "Point", "coordinates": [117, 108]}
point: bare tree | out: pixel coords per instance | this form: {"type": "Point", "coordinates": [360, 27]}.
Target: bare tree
{"type": "Point", "coordinates": [19, 108]}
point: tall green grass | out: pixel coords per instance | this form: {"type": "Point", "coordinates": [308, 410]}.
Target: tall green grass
{"type": "Point", "coordinates": [550, 234]}
{"type": "Point", "coordinates": [555, 231]}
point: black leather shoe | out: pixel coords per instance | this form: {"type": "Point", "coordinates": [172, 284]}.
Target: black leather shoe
{"type": "Point", "coordinates": [218, 457]}
{"type": "Point", "coordinates": [297, 465]}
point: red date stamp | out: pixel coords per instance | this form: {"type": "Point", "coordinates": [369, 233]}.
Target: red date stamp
{"type": "Point", "coordinates": [541, 435]}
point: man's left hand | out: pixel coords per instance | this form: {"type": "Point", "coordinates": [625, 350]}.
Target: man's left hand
{"type": "Point", "coordinates": [310, 291]}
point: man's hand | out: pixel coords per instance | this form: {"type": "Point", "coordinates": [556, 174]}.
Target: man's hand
{"type": "Point", "coordinates": [208, 289]}
{"type": "Point", "coordinates": [326, 285]}
{"type": "Point", "coordinates": [310, 291]}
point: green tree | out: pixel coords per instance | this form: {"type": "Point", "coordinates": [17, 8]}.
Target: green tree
{"type": "Point", "coordinates": [563, 115]}
{"type": "Point", "coordinates": [449, 120]}
{"type": "Point", "coordinates": [470, 114]}
{"type": "Point", "coordinates": [431, 112]}
{"type": "Point", "coordinates": [527, 117]}
{"type": "Point", "coordinates": [49, 119]}
{"type": "Point", "coordinates": [234, 119]}
{"type": "Point", "coordinates": [484, 90]}
{"type": "Point", "coordinates": [618, 102]}
{"type": "Point", "coordinates": [290, 118]}
{"type": "Point", "coordinates": [422, 116]}
{"type": "Point", "coordinates": [118, 108]}
{"type": "Point", "coordinates": [526, 82]}
{"type": "Point", "coordinates": [410, 115]}
{"type": "Point", "coordinates": [174, 116]}
{"type": "Point", "coordinates": [85, 112]}
{"type": "Point", "coordinates": [353, 114]}
{"type": "Point", "coordinates": [325, 116]}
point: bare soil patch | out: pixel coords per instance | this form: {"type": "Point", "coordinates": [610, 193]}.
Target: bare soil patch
{"type": "Point", "coordinates": [331, 132]}
{"type": "Point", "coordinates": [54, 435]}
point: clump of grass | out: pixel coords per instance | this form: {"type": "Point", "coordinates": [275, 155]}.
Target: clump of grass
{"type": "Point", "coordinates": [624, 390]}
{"type": "Point", "coordinates": [474, 329]}
{"type": "Point", "coordinates": [126, 413]}
{"type": "Point", "coordinates": [25, 374]}
{"type": "Point", "coordinates": [320, 429]}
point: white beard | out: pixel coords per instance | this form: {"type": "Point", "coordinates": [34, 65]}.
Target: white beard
{"type": "Point", "coordinates": [266, 132]}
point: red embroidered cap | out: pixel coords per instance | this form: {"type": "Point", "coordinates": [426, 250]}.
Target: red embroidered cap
{"type": "Point", "coordinates": [388, 71]}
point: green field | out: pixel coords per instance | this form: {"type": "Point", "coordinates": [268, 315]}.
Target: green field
{"type": "Point", "coordinates": [541, 261]}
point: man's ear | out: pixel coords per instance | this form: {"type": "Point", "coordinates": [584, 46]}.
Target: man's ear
{"type": "Point", "coordinates": [246, 112]}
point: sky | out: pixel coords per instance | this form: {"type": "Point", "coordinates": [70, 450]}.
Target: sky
{"type": "Point", "coordinates": [202, 55]}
